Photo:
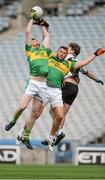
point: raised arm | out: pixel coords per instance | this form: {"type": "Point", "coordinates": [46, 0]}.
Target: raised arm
{"type": "Point", "coordinates": [90, 58]}
{"type": "Point", "coordinates": [28, 34]}
{"type": "Point", "coordinates": [93, 76]}
{"type": "Point", "coordinates": [46, 37]}
{"type": "Point", "coordinates": [90, 75]}
{"type": "Point", "coordinates": [84, 62]}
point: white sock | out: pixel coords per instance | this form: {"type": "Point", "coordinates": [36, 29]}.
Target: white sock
{"type": "Point", "coordinates": [21, 132]}
{"type": "Point", "coordinates": [59, 131]}
{"type": "Point", "coordinates": [51, 138]}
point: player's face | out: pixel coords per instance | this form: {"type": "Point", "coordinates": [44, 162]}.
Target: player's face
{"type": "Point", "coordinates": [35, 43]}
{"type": "Point", "coordinates": [62, 53]}
{"type": "Point", "coordinates": [70, 50]}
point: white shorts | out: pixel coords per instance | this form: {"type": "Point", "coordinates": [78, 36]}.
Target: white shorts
{"type": "Point", "coordinates": [37, 89]}
{"type": "Point", "coordinates": [54, 96]}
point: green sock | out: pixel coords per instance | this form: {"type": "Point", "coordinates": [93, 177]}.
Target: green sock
{"type": "Point", "coordinates": [26, 134]}
{"type": "Point", "coordinates": [16, 116]}
{"type": "Point", "coordinates": [14, 121]}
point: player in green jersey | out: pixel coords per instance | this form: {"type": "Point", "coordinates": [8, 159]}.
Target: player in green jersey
{"type": "Point", "coordinates": [37, 57]}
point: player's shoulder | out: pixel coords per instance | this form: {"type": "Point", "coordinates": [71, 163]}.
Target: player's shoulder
{"type": "Point", "coordinates": [53, 54]}
{"type": "Point", "coordinates": [28, 46]}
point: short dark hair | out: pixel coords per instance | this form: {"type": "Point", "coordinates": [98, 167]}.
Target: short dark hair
{"type": "Point", "coordinates": [75, 47]}
{"type": "Point", "coordinates": [63, 47]}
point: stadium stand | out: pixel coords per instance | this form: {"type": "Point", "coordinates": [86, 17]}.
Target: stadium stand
{"type": "Point", "coordinates": [9, 10]}
{"type": "Point", "coordinates": [5, 23]}
{"type": "Point", "coordinates": [2, 2]}
{"type": "Point", "coordinates": [81, 7]}
{"type": "Point", "coordinates": [85, 122]}
{"type": "Point", "coordinates": [102, 10]}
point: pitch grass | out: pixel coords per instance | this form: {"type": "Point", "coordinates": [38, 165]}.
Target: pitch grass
{"type": "Point", "coordinates": [51, 172]}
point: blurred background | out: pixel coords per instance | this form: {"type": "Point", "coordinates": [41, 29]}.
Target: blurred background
{"type": "Point", "coordinates": [79, 21]}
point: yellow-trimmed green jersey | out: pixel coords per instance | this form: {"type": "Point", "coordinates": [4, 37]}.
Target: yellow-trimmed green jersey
{"type": "Point", "coordinates": [57, 71]}
{"type": "Point", "coordinates": [37, 59]}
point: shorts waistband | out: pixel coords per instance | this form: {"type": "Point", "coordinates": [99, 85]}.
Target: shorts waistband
{"type": "Point", "coordinates": [38, 78]}
{"type": "Point", "coordinates": [68, 83]}
{"type": "Point", "coordinates": [38, 82]}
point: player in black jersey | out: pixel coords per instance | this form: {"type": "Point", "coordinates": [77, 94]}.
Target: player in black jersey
{"type": "Point", "coordinates": [70, 87]}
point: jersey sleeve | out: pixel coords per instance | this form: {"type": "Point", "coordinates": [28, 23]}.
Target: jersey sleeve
{"type": "Point", "coordinates": [28, 49]}
{"type": "Point", "coordinates": [72, 64]}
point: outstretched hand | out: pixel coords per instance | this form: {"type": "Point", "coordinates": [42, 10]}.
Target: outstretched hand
{"type": "Point", "coordinates": [99, 51]}
{"type": "Point", "coordinates": [41, 22]}
{"type": "Point", "coordinates": [99, 81]}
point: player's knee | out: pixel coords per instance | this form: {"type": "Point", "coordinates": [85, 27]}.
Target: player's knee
{"type": "Point", "coordinates": [59, 118]}
{"type": "Point", "coordinates": [36, 114]}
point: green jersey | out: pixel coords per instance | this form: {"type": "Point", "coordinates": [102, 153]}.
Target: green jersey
{"type": "Point", "coordinates": [57, 71]}
{"type": "Point", "coordinates": [38, 60]}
